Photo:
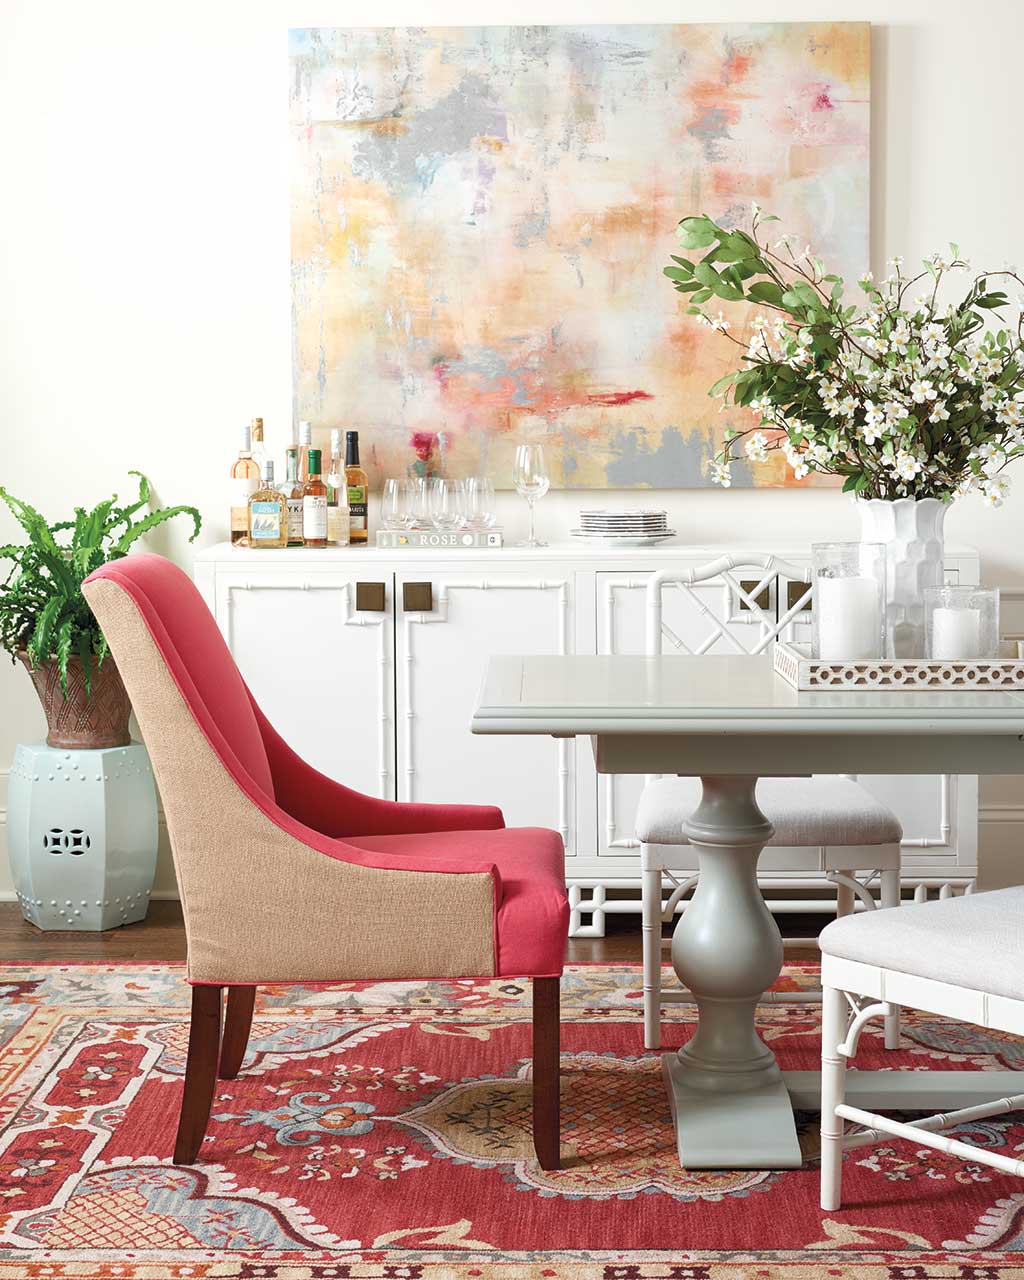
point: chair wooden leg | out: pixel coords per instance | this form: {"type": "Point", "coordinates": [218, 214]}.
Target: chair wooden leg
{"type": "Point", "coordinates": [237, 1021]}
{"type": "Point", "coordinates": [833, 1088]}
{"type": "Point", "coordinates": [890, 895]}
{"type": "Point", "coordinates": [546, 1084]}
{"type": "Point", "coordinates": [200, 1073]}
{"type": "Point", "coordinates": [651, 933]}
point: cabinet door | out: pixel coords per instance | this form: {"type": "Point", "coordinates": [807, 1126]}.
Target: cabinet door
{"type": "Point", "coordinates": [320, 668]}
{"type": "Point", "coordinates": [441, 655]}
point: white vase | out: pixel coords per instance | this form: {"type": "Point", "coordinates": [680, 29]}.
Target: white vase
{"type": "Point", "coordinates": [912, 531]}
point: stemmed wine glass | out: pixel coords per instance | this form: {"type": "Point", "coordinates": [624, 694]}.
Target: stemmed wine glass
{"type": "Point", "coordinates": [530, 477]}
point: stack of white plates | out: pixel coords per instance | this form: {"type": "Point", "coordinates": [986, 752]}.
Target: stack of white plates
{"type": "Point", "coordinates": [624, 528]}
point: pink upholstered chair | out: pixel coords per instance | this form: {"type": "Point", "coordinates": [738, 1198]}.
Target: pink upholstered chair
{"type": "Point", "coordinates": [288, 876]}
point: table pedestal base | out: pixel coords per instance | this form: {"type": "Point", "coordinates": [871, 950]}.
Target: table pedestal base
{"type": "Point", "coordinates": [735, 1129]}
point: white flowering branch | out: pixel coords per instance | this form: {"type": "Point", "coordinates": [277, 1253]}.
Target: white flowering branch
{"type": "Point", "coordinates": [897, 397]}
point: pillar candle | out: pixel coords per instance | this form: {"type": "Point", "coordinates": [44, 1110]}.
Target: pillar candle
{"type": "Point", "coordinates": [956, 633]}
{"type": "Point", "coordinates": [849, 618]}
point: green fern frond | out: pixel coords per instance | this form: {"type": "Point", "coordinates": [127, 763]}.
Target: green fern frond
{"type": "Point", "coordinates": [39, 643]}
{"type": "Point", "coordinates": [151, 521]}
{"type": "Point", "coordinates": [65, 636]}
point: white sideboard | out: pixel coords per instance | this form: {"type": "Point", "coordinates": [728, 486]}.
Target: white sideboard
{"type": "Point", "coordinates": [374, 684]}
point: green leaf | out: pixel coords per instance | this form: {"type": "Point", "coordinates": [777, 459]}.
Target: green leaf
{"type": "Point", "coordinates": [155, 518]}
{"type": "Point", "coordinates": [706, 274]}
{"type": "Point", "coordinates": [696, 232]}
{"type": "Point", "coordinates": [722, 383]}
{"type": "Point", "coordinates": [39, 644]}
{"type": "Point", "coordinates": [684, 264]}
{"type": "Point", "coordinates": [83, 647]}
{"type": "Point", "coordinates": [801, 295]}
{"type": "Point", "coordinates": [63, 647]}
{"type": "Point", "coordinates": [701, 296]}
{"type": "Point", "coordinates": [730, 292]}
{"type": "Point", "coordinates": [766, 291]}
{"type": "Point", "coordinates": [677, 273]}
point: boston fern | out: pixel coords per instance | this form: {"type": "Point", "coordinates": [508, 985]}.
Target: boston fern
{"type": "Point", "coordinates": [901, 395]}
{"type": "Point", "coordinates": [42, 609]}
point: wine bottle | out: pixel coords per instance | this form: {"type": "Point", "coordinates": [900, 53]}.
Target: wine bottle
{"type": "Point", "coordinates": [314, 505]}
{"type": "Point", "coordinates": [245, 478]}
{"type": "Point", "coordinates": [358, 487]}
{"type": "Point", "coordinates": [337, 496]}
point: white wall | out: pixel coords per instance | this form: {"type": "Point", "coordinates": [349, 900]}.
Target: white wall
{"type": "Point", "coordinates": [144, 283]}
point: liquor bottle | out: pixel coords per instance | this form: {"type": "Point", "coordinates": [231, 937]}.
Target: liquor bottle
{"type": "Point", "coordinates": [293, 489]}
{"type": "Point", "coordinates": [305, 440]}
{"type": "Point", "coordinates": [358, 487]}
{"type": "Point", "coordinates": [314, 505]}
{"type": "Point", "coordinates": [259, 449]}
{"type": "Point", "coordinates": [268, 513]}
{"type": "Point", "coordinates": [337, 496]}
{"type": "Point", "coordinates": [245, 479]}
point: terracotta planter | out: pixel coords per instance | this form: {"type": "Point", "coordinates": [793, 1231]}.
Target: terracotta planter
{"type": "Point", "coordinates": [82, 722]}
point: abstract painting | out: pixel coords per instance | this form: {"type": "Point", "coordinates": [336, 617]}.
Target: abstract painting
{"type": "Point", "coordinates": [480, 217]}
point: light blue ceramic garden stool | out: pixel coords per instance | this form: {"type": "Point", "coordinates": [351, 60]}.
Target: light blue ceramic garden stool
{"type": "Point", "coordinates": [82, 835]}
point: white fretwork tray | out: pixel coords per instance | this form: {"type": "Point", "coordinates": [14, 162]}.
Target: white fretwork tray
{"type": "Point", "coordinates": [794, 663]}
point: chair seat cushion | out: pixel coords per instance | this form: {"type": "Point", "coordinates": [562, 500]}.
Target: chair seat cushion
{"type": "Point", "coordinates": [533, 910]}
{"type": "Point", "coordinates": [805, 812]}
{"type": "Point", "coordinates": [975, 942]}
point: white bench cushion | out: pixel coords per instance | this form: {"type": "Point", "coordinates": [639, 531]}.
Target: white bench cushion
{"type": "Point", "coordinates": [805, 812]}
{"type": "Point", "coordinates": [975, 942]}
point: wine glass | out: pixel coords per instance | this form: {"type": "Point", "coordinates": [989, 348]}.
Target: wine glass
{"type": "Point", "coordinates": [480, 512]}
{"type": "Point", "coordinates": [417, 499]}
{"type": "Point", "coordinates": [530, 477]}
{"type": "Point", "coordinates": [394, 505]}
{"type": "Point", "coordinates": [447, 503]}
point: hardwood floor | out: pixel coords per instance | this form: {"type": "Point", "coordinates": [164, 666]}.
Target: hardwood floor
{"type": "Point", "coordinates": [161, 937]}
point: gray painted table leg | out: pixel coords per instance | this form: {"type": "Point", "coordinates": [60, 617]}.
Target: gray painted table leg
{"type": "Point", "coordinates": [728, 1098]}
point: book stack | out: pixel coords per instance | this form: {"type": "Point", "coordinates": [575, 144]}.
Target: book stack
{"type": "Point", "coordinates": [433, 540]}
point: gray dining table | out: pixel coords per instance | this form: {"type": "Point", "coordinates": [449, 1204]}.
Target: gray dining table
{"type": "Point", "coordinates": [730, 720]}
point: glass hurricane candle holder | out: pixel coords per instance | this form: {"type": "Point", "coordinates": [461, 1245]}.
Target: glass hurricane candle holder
{"type": "Point", "coordinates": [961, 622]}
{"type": "Point", "coordinates": [848, 622]}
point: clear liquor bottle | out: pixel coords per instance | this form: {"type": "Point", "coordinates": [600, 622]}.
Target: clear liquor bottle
{"type": "Point", "coordinates": [337, 496]}
{"type": "Point", "coordinates": [305, 441]}
{"type": "Point", "coordinates": [245, 479]}
{"type": "Point", "coordinates": [314, 505]}
{"type": "Point", "coordinates": [268, 513]}
{"type": "Point", "coordinates": [293, 489]}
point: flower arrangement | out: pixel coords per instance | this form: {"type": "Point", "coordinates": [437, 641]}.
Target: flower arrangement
{"type": "Point", "coordinates": [903, 396]}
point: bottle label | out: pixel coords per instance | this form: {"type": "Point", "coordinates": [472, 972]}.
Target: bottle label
{"type": "Point", "coordinates": [265, 521]}
{"type": "Point", "coordinates": [242, 489]}
{"type": "Point", "coordinates": [314, 517]}
{"type": "Point", "coordinates": [294, 519]}
{"type": "Point", "coordinates": [337, 525]}
{"type": "Point", "coordinates": [357, 506]}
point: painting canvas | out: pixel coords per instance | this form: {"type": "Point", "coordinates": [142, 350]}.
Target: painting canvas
{"type": "Point", "coordinates": [481, 215]}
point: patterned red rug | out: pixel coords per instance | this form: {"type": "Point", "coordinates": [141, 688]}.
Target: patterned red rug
{"type": "Point", "coordinates": [384, 1131]}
